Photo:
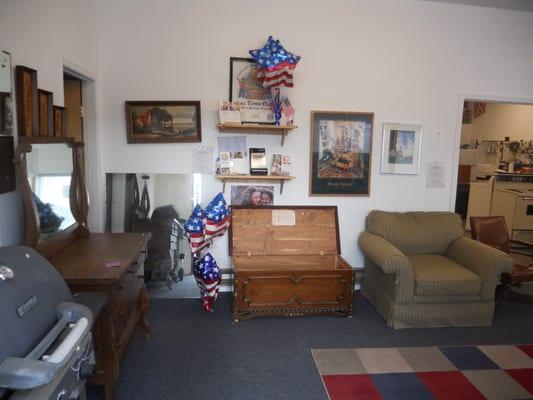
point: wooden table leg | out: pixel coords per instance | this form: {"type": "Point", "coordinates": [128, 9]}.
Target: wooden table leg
{"type": "Point", "coordinates": [143, 300]}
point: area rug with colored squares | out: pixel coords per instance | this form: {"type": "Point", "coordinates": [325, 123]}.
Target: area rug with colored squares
{"type": "Point", "coordinates": [439, 372]}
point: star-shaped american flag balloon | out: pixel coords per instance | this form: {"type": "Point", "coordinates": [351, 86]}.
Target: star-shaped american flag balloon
{"type": "Point", "coordinates": [275, 63]}
{"type": "Point", "coordinates": [201, 229]}
{"type": "Point", "coordinates": [217, 221]}
{"type": "Point", "coordinates": [195, 229]}
{"type": "Point", "coordinates": [207, 274]}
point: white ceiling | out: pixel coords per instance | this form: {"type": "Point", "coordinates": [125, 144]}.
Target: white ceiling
{"type": "Point", "coordinates": [518, 5]}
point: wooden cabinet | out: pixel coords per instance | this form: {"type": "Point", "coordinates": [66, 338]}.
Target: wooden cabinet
{"type": "Point", "coordinates": [286, 261]}
{"type": "Point", "coordinates": [83, 266]}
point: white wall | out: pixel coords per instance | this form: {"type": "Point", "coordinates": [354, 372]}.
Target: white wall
{"type": "Point", "coordinates": [404, 60]}
{"type": "Point", "coordinates": [43, 35]}
{"type": "Point", "coordinates": [501, 120]}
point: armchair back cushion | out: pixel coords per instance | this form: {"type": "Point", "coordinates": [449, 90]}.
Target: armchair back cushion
{"type": "Point", "coordinates": [416, 232]}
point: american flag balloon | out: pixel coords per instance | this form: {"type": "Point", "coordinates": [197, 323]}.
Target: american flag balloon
{"type": "Point", "coordinates": [195, 229]}
{"type": "Point", "coordinates": [202, 228]}
{"type": "Point", "coordinates": [208, 277]}
{"type": "Point", "coordinates": [275, 63]}
{"type": "Point", "coordinates": [217, 217]}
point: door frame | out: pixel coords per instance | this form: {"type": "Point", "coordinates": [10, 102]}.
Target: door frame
{"type": "Point", "coordinates": [94, 176]}
{"type": "Point", "coordinates": [469, 96]}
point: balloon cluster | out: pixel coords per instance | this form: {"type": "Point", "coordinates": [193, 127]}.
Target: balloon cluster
{"type": "Point", "coordinates": [201, 229]}
{"type": "Point", "coordinates": [275, 63]}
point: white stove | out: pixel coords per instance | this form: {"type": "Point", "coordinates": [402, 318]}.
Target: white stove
{"type": "Point", "coordinates": [513, 198]}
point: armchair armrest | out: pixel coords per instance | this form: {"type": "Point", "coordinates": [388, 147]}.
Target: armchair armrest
{"type": "Point", "coordinates": [384, 254]}
{"type": "Point", "coordinates": [485, 261]}
{"type": "Point", "coordinates": [389, 259]}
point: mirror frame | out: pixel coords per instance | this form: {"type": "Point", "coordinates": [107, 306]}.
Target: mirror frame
{"type": "Point", "coordinates": [79, 202]}
{"type": "Point", "coordinates": [9, 94]}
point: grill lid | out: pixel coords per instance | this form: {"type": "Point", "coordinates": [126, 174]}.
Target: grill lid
{"type": "Point", "coordinates": [30, 295]}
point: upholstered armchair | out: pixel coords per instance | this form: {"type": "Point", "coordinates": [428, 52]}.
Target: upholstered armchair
{"type": "Point", "coordinates": [421, 271]}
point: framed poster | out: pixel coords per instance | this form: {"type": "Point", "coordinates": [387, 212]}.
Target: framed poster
{"type": "Point", "coordinates": [400, 153]}
{"type": "Point", "coordinates": [341, 147]}
{"type": "Point", "coordinates": [246, 90]}
{"type": "Point", "coordinates": [163, 121]}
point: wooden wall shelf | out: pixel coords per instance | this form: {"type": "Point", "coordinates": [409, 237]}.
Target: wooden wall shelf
{"type": "Point", "coordinates": [234, 178]}
{"type": "Point", "coordinates": [257, 129]}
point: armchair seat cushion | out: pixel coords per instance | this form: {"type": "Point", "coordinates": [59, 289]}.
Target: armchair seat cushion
{"type": "Point", "coordinates": [437, 275]}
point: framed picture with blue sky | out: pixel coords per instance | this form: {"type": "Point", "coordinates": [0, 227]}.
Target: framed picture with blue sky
{"type": "Point", "coordinates": [401, 149]}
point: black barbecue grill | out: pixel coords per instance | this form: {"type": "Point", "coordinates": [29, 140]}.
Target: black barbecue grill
{"type": "Point", "coordinates": [45, 340]}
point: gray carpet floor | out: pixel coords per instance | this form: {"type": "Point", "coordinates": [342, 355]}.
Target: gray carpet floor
{"type": "Point", "coordinates": [194, 355]}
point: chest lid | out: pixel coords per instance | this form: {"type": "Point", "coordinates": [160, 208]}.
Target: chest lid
{"type": "Point", "coordinates": [284, 230]}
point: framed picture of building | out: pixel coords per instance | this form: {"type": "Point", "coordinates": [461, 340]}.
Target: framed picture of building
{"type": "Point", "coordinates": [400, 152]}
{"type": "Point", "coordinates": [341, 148]}
{"type": "Point", "coordinates": [163, 121]}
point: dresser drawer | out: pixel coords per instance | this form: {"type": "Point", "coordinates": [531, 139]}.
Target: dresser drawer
{"type": "Point", "coordinates": [124, 297]}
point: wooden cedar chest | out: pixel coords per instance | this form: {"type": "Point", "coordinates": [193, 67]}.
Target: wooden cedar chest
{"type": "Point", "coordinates": [286, 261]}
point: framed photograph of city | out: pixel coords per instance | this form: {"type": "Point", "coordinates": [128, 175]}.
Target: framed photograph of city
{"type": "Point", "coordinates": [341, 148]}
{"type": "Point", "coordinates": [400, 152]}
{"type": "Point", "coordinates": [163, 121]}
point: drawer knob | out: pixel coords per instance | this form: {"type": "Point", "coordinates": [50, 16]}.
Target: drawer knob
{"type": "Point", "coordinates": [133, 267]}
{"type": "Point", "coordinates": [120, 286]}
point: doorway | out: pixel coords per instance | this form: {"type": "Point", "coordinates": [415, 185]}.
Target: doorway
{"type": "Point", "coordinates": [495, 138]}
{"type": "Point", "coordinates": [73, 97]}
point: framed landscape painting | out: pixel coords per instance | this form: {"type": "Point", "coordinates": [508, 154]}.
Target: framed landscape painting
{"type": "Point", "coordinates": [401, 149]}
{"type": "Point", "coordinates": [163, 121]}
{"type": "Point", "coordinates": [341, 147]}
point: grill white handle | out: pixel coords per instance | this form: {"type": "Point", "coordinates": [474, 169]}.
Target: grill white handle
{"type": "Point", "coordinates": [70, 341]}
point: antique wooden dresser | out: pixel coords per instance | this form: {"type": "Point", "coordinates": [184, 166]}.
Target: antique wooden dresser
{"type": "Point", "coordinates": [82, 264]}
{"type": "Point", "coordinates": [286, 261]}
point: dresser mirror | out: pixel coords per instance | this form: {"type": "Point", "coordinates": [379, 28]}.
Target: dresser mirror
{"type": "Point", "coordinates": [53, 193]}
{"type": "Point", "coordinates": [6, 95]}
{"type": "Point", "coordinates": [50, 169]}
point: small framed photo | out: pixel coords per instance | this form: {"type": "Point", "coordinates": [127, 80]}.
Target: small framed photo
{"type": "Point", "coordinates": [245, 195]}
{"type": "Point", "coordinates": [341, 148]}
{"type": "Point", "coordinates": [163, 121]}
{"type": "Point", "coordinates": [401, 148]}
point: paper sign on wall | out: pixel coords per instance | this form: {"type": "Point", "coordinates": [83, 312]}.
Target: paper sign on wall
{"type": "Point", "coordinates": [202, 159]}
{"type": "Point", "coordinates": [435, 175]}
{"type": "Point", "coordinates": [283, 217]}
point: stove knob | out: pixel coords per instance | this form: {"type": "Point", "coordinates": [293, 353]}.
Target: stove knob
{"type": "Point", "coordinates": [86, 370]}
